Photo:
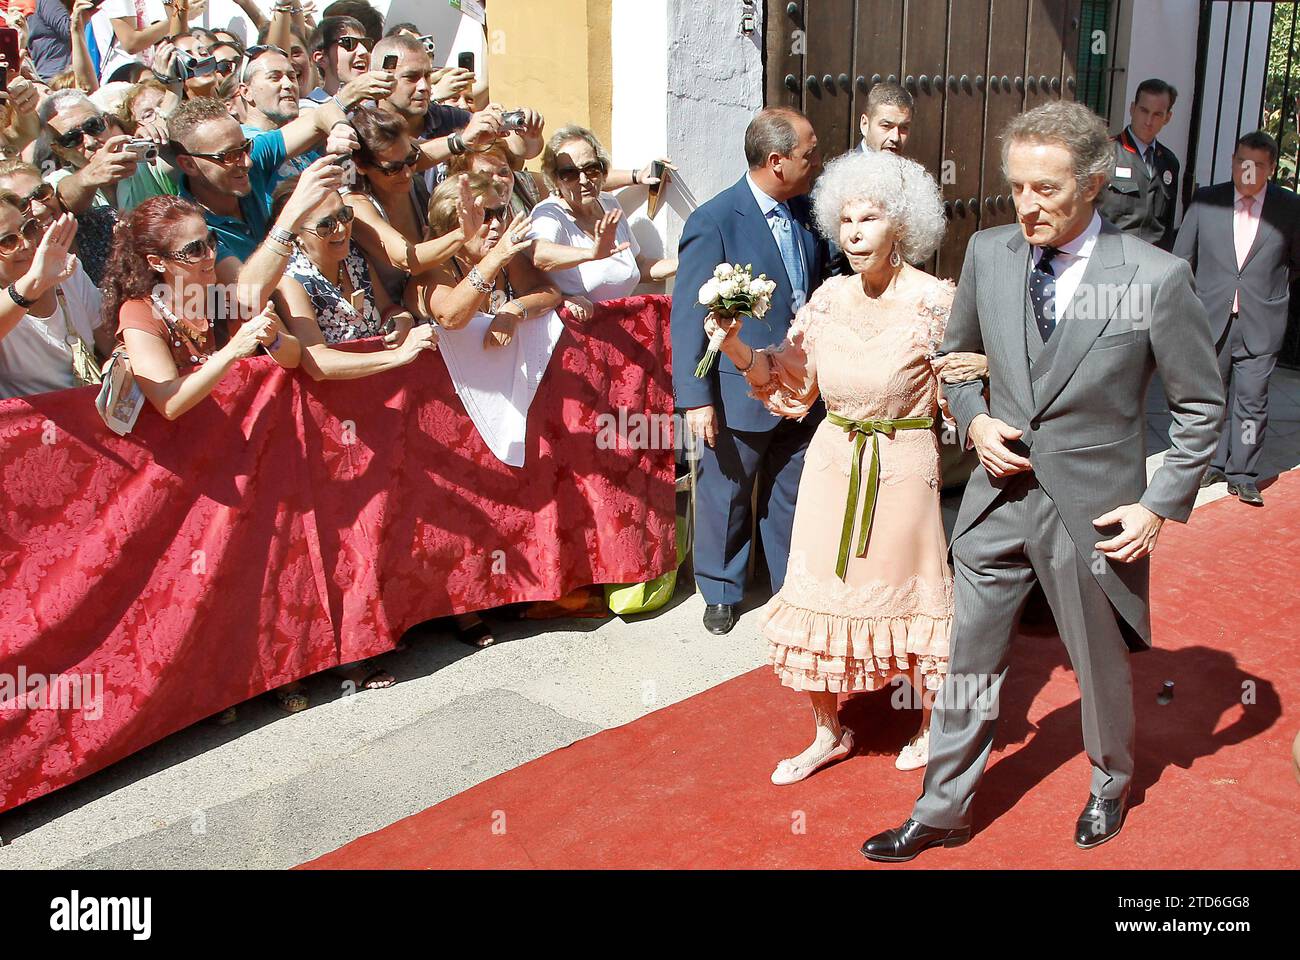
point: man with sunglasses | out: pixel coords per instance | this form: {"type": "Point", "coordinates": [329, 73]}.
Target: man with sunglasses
{"type": "Point", "coordinates": [232, 175]}
{"type": "Point", "coordinates": [91, 147]}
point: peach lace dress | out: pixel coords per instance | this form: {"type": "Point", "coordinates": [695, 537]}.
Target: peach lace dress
{"type": "Point", "coordinates": [892, 612]}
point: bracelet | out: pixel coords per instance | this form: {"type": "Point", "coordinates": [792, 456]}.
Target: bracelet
{"type": "Point", "coordinates": [18, 298]}
{"type": "Point", "coordinates": [477, 281]}
{"type": "Point", "coordinates": [753, 355]}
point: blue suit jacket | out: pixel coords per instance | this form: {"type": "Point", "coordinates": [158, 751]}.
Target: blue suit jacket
{"type": "Point", "coordinates": [731, 228]}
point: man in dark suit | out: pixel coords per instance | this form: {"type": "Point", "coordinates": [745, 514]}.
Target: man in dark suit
{"type": "Point", "coordinates": [1143, 191]}
{"type": "Point", "coordinates": [762, 220]}
{"type": "Point", "coordinates": [1242, 239]}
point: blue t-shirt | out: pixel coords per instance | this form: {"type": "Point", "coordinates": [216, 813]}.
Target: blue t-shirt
{"type": "Point", "coordinates": [239, 236]}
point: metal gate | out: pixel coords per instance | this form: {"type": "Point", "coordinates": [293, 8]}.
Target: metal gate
{"type": "Point", "coordinates": [970, 67]}
{"type": "Point", "coordinates": [1247, 78]}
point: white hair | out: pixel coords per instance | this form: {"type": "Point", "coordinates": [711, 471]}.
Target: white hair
{"type": "Point", "coordinates": [902, 189]}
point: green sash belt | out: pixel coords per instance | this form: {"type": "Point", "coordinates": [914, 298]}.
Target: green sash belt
{"type": "Point", "coordinates": [859, 429]}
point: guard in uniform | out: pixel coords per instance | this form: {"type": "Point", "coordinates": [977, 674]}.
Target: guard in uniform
{"type": "Point", "coordinates": [1142, 195]}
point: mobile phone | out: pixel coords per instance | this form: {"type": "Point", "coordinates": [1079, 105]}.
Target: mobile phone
{"type": "Point", "coordinates": [390, 62]}
{"type": "Point", "coordinates": [466, 61]}
{"type": "Point", "coordinates": [9, 48]}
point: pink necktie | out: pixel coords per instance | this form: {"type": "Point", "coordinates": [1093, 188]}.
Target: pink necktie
{"type": "Point", "coordinates": [1243, 235]}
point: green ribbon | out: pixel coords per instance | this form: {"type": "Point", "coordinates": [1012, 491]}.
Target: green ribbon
{"type": "Point", "coordinates": [859, 431]}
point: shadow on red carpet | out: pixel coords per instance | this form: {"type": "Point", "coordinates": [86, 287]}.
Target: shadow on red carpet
{"type": "Point", "coordinates": [687, 786]}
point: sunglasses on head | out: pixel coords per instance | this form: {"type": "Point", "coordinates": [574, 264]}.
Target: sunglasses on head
{"type": "Point", "coordinates": [255, 51]}
{"type": "Point", "coordinates": [195, 250]}
{"type": "Point", "coordinates": [411, 160]}
{"type": "Point", "coordinates": [333, 224]}
{"type": "Point", "coordinates": [94, 126]}
{"type": "Point", "coordinates": [593, 171]}
{"type": "Point", "coordinates": [351, 43]}
{"type": "Point", "coordinates": [28, 235]}
{"type": "Point", "coordinates": [227, 158]}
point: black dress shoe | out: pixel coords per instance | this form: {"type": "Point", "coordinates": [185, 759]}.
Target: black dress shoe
{"type": "Point", "coordinates": [1246, 493]}
{"type": "Point", "coordinates": [719, 617]}
{"type": "Point", "coordinates": [1213, 476]}
{"type": "Point", "coordinates": [1100, 820]}
{"type": "Point", "coordinates": [904, 843]}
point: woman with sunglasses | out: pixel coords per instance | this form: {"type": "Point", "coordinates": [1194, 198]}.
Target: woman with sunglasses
{"type": "Point", "coordinates": [583, 241]}
{"type": "Point", "coordinates": [155, 290]}
{"type": "Point", "coordinates": [48, 307]}
{"type": "Point", "coordinates": [329, 295]}
{"type": "Point", "coordinates": [391, 202]}
{"type": "Point", "coordinates": [486, 275]}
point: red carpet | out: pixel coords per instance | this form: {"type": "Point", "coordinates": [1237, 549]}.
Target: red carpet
{"type": "Point", "coordinates": [688, 787]}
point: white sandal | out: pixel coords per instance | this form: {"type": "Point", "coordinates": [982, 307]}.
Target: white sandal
{"type": "Point", "coordinates": [916, 754]}
{"type": "Point", "coordinates": [787, 771]}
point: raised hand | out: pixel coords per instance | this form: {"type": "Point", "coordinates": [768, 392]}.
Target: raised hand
{"type": "Point", "coordinates": [485, 127]}
{"type": "Point", "coordinates": [371, 85]}
{"type": "Point", "coordinates": [607, 236]}
{"type": "Point", "coordinates": [317, 182]}
{"type": "Point", "coordinates": [449, 83]}
{"type": "Point", "coordinates": [513, 239]}
{"type": "Point", "coordinates": [53, 262]}
{"type": "Point", "coordinates": [469, 208]}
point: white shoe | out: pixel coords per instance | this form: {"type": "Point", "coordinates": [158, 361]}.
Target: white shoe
{"type": "Point", "coordinates": [916, 754]}
{"type": "Point", "coordinates": [787, 771]}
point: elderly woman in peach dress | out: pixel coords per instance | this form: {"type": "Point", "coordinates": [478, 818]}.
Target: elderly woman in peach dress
{"type": "Point", "coordinates": [868, 592]}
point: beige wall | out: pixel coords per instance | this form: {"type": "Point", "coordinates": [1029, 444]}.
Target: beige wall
{"type": "Point", "coordinates": [554, 57]}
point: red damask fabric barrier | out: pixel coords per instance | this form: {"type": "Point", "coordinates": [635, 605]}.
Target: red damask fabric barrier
{"type": "Point", "coordinates": [285, 526]}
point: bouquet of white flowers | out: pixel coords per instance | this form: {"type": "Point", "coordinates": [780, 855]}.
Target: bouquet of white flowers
{"type": "Point", "coordinates": [733, 291]}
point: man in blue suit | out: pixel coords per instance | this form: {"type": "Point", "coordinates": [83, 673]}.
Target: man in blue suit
{"type": "Point", "coordinates": [762, 220]}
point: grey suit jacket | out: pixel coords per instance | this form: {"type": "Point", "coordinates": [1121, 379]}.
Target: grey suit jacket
{"type": "Point", "coordinates": [1083, 407]}
{"type": "Point", "coordinates": [1205, 240]}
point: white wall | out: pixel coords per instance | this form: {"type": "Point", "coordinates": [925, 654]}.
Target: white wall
{"type": "Point", "coordinates": [715, 86]}
{"type": "Point", "coordinates": [639, 114]}
{"type": "Point", "coordinates": [1161, 38]}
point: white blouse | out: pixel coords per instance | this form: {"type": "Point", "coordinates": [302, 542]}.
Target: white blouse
{"type": "Point", "coordinates": [599, 280]}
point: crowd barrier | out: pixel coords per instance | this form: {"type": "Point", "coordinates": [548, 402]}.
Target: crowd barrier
{"type": "Point", "coordinates": [284, 526]}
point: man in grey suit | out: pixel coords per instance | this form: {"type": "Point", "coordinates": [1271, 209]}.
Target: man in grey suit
{"type": "Point", "coordinates": [1062, 499]}
{"type": "Point", "coordinates": [1242, 239]}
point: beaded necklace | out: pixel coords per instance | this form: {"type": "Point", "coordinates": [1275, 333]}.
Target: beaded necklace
{"type": "Point", "coordinates": [185, 333]}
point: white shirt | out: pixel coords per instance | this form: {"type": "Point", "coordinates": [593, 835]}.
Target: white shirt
{"type": "Point", "coordinates": [111, 53]}
{"type": "Point", "coordinates": [598, 280]}
{"type": "Point", "coordinates": [35, 356]}
{"type": "Point", "coordinates": [1068, 265]}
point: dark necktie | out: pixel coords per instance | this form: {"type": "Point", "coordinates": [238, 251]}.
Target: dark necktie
{"type": "Point", "coordinates": [1042, 292]}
